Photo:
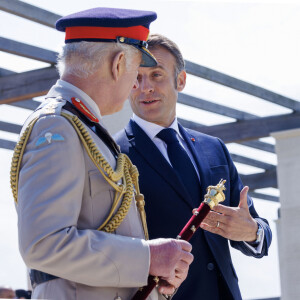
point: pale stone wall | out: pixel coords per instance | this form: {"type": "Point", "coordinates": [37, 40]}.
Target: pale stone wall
{"type": "Point", "coordinates": [119, 120]}
{"type": "Point", "coordinates": [288, 224]}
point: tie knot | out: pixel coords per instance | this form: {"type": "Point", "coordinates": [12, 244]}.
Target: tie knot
{"type": "Point", "coordinates": [168, 135]}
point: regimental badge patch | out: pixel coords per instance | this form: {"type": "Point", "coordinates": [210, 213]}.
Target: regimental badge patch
{"type": "Point", "coordinates": [49, 138]}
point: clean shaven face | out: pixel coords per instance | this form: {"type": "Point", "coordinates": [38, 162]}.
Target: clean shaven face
{"type": "Point", "coordinates": [155, 98]}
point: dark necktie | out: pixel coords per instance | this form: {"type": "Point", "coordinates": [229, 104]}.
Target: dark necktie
{"type": "Point", "coordinates": [181, 162]}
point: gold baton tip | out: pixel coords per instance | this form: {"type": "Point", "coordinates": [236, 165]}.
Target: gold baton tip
{"type": "Point", "coordinates": [215, 194]}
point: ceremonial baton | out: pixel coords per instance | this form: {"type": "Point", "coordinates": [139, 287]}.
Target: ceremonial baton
{"type": "Point", "coordinates": [212, 198]}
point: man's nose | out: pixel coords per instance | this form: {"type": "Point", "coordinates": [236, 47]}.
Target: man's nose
{"type": "Point", "coordinates": [146, 85]}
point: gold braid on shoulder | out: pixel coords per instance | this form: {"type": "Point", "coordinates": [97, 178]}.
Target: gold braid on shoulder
{"type": "Point", "coordinates": [125, 170]}
{"type": "Point", "coordinates": [17, 159]}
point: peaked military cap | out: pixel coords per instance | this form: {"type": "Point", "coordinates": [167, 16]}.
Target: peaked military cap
{"type": "Point", "coordinates": [104, 24]}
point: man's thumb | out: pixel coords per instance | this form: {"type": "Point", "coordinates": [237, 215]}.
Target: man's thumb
{"type": "Point", "coordinates": [243, 197]}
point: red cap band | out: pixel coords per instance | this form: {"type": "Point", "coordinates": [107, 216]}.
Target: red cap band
{"type": "Point", "coordinates": [84, 32]}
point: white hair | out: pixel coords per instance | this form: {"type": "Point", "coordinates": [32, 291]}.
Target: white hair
{"type": "Point", "coordinates": [82, 59]}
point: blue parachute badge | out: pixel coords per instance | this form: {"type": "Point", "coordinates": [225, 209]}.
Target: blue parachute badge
{"type": "Point", "coordinates": [48, 138]}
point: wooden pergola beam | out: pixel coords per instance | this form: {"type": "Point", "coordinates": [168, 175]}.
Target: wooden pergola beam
{"type": "Point", "coordinates": [28, 51]}
{"type": "Point", "coordinates": [251, 162]}
{"type": "Point", "coordinates": [236, 114]}
{"type": "Point", "coordinates": [27, 104]}
{"type": "Point", "coordinates": [248, 129]}
{"type": "Point", "coordinates": [214, 107]}
{"type": "Point", "coordinates": [240, 85]}
{"type": "Point", "coordinates": [27, 85]}
{"type": "Point", "coordinates": [264, 196]}
{"type": "Point", "coordinates": [5, 144]}
{"type": "Point", "coordinates": [9, 127]}
{"type": "Point", "coordinates": [260, 180]}
{"type": "Point", "coordinates": [259, 145]}
{"type": "Point", "coordinates": [29, 12]}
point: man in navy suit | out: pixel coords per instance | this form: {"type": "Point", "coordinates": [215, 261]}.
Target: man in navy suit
{"type": "Point", "coordinates": [169, 199]}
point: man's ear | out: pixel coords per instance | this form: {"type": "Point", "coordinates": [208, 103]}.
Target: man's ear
{"type": "Point", "coordinates": [118, 65]}
{"type": "Point", "coordinates": [181, 80]}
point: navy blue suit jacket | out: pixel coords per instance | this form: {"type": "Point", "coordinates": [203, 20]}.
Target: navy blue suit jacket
{"type": "Point", "coordinates": [169, 206]}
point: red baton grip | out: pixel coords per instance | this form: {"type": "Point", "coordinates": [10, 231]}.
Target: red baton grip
{"type": "Point", "coordinates": [194, 222]}
{"type": "Point", "coordinates": [145, 291]}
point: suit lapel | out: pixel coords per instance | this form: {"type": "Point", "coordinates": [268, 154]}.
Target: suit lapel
{"type": "Point", "coordinates": [200, 155]}
{"type": "Point", "coordinates": [201, 161]}
{"type": "Point", "coordinates": [147, 149]}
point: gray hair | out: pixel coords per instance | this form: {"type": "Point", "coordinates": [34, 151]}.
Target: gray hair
{"type": "Point", "coordinates": [83, 59]}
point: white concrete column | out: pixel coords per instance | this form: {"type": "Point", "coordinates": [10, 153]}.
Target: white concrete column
{"type": "Point", "coordinates": [119, 120]}
{"type": "Point", "coordinates": [288, 225]}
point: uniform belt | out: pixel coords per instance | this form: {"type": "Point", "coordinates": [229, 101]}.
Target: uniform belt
{"type": "Point", "coordinates": [37, 277]}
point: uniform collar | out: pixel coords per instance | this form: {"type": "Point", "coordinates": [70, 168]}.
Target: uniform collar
{"type": "Point", "coordinates": [152, 129]}
{"type": "Point", "coordinates": [67, 91]}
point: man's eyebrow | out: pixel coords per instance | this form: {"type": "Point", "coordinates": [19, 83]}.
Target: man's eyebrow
{"type": "Point", "coordinates": [158, 67]}
{"type": "Point", "coordinates": [155, 68]}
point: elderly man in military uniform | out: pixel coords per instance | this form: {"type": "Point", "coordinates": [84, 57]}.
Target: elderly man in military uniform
{"type": "Point", "coordinates": [82, 232]}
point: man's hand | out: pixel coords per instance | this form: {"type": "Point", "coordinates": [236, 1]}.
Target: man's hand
{"type": "Point", "coordinates": [234, 223]}
{"type": "Point", "coordinates": [170, 260]}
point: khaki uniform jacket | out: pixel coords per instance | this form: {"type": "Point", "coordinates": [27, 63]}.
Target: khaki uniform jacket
{"type": "Point", "coordinates": [62, 200]}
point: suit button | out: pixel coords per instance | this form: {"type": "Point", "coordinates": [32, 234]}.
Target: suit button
{"type": "Point", "coordinates": [210, 266]}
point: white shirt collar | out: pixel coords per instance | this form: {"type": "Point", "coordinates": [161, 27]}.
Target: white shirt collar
{"type": "Point", "coordinates": [152, 129]}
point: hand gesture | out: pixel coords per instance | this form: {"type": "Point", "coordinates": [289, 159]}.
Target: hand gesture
{"type": "Point", "coordinates": [233, 223]}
